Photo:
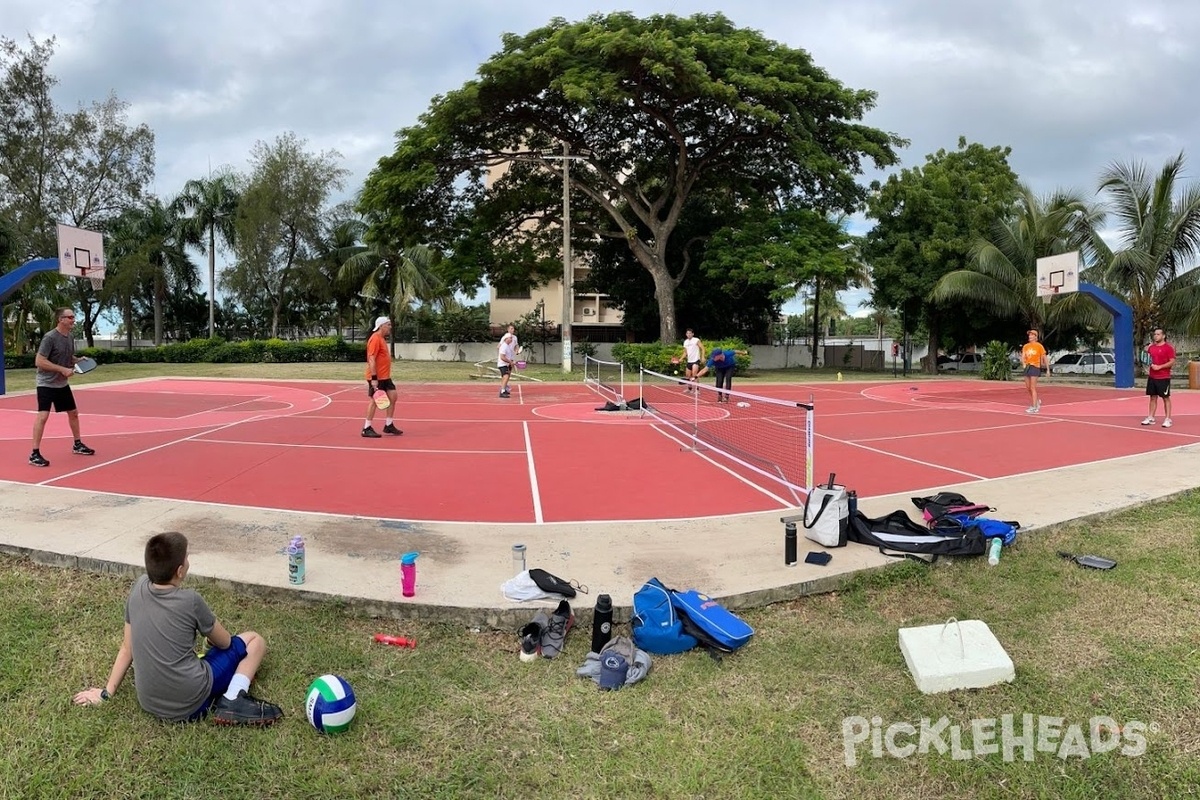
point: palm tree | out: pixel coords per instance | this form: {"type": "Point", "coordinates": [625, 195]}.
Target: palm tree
{"type": "Point", "coordinates": [151, 247]}
{"type": "Point", "coordinates": [340, 240]}
{"type": "Point", "coordinates": [397, 277]}
{"type": "Point", "coordinates": [1159, 235]}
{"type": "Point", "coordinates": [211, 207]}
{"type": "Point", "coordinates": [1002, 273]}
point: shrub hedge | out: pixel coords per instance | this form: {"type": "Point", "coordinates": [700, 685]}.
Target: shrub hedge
{"type": "Point", "coordinates": [656, 356]}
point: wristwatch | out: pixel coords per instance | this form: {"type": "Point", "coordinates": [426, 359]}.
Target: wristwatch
{"type": "Point", "coordinates": [104, 695]}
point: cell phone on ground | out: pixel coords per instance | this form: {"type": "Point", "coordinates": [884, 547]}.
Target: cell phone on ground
{"type": "Point", "coordinates": [1092, 562]}
{"type": "Point", "coordinates": [818, 558]}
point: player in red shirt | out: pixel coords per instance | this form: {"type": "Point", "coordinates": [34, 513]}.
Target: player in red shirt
{"type": "Point", "coordinates": [1158, 384]}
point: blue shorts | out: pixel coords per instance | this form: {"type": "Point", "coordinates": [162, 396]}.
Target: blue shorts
{"type": "Point", "coordinates": [1033, 372]}
{"type": "Point", "coordinates": [223, 664]}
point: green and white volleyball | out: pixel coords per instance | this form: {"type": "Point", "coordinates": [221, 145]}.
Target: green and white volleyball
{"type": "Point", "coordinates": [330, 704]}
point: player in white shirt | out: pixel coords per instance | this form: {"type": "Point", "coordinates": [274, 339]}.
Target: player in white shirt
{"type": "Point", "coordinates": [506, 358]}
{"type": "Point", "coordinates": [693, 357]}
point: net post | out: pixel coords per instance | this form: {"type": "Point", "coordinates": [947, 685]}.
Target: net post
{"type": "Point", "coordinates": [808, 445]}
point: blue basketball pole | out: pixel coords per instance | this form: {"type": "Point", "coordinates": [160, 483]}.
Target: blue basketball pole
{"type": "Point", "coordinates": [1122, 316]}
{"type": "Point", "coordinates": [9, 284]}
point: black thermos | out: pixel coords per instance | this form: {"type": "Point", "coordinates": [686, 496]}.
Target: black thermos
{"type": "Point", "coordinates": [601, 623]}
{"type": "Point", "coordinates": [789, 544]}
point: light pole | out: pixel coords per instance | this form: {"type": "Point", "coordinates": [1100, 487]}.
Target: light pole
{"type": "Point", "coordinates": [568, 279]}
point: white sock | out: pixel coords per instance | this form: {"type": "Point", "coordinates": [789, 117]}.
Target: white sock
{"type": "Point", "coordinates": [366, 424]}
{"type": "Point", "coordinates": [238, 683]}
{"type": "Point", "coordinates": [388, 421]}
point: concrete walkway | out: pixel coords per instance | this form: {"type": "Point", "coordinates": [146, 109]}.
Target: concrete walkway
{"type": "Point", "coordinates": [354, 560]}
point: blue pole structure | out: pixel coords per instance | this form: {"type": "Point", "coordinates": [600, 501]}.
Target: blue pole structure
{"type": "Point", "coordinates": [1122, 316]}
{"type": "Point", "coordinates": [9, 284]}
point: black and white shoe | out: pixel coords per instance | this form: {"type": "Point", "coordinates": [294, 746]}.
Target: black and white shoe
{"type": "Point", "coordinates": [369, 433]}
{"type": "Point", "coordinates": [393, 430]}
{"type": "Point", "coordinates": [37, 460]}
{"type": "Point", "coordinates": [245, 710]}
{"type": "Point", "coordinates": [81, 449]}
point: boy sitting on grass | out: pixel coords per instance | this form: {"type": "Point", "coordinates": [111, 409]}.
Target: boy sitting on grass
{"type": "Point", "coordinates": [161, 623]}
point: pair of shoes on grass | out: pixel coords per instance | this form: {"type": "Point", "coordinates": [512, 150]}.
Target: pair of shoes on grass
{"type": "Point", "coordinates": [245, 710]}
{"type": "Point", "coordinates": [545, 635]}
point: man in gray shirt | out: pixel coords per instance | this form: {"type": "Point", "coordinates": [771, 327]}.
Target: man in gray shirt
{"type": "Point", "coordinates": [55, 364]}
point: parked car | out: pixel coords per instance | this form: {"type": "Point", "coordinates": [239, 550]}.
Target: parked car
{"type": "Point", "coordinates": [967, 362]}
{"type": "Point", "coordinates": [1085, 364]}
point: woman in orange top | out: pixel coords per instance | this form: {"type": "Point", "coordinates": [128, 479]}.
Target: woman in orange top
{"type": "Point", "coordinates": [1033, 356]}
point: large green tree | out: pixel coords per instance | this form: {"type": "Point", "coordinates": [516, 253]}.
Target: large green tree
{"type": "Point", "coordinates": [1158, 243]}
{"type": "Point", "coordinates": [928, 218]}
{"type": "Point", "coordinates": [81, 167]}
{"type": "Point", "coordinates": [279, 221]}
{"type": "Point", "coordinates": [656, 111]}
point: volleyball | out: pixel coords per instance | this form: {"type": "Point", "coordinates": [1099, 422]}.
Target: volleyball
{"type": "Point", "coordinates": [330, 704]}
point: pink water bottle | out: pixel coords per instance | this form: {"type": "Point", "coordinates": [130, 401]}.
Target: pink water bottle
{"type": "Point", "coordinates": [408, 573]}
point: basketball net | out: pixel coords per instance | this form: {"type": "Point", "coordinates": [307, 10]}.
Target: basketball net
{"type": "Point", "coordinates": [96, 277]}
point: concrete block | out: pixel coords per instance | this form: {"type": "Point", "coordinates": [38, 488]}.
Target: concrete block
{"type": "Point", "coordinates": [955, 655]}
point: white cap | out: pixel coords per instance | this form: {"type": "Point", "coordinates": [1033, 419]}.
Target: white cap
{"type": "Point", "coordinates": [380, 322]}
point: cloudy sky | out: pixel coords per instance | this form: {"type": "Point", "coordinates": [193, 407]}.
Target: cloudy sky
{"type": "Point", "coordinates": [1071, 86]}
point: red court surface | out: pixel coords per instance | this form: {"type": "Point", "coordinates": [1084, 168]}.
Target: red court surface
{"type": "Point", "coordinates": [546, 455]}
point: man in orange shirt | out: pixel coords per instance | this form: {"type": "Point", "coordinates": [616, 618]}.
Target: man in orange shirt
{"type": "Point", "coordinates": [379, 376]}
{"type": "Point", "coordinates": [1033, 356]}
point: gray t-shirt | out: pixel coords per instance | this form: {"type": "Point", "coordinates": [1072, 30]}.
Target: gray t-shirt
{"type": "Point", "coordinates": [57, 349]}
{"type": "Point", "coordinates": [171, 681]}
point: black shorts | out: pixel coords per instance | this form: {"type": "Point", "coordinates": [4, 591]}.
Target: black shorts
{"type": "Point", "coordinates": [1158, 387]}
{"type": "Point", "coordinates": [1033, 372]}
{"type": "Point", "coordinates": [505, 369]}
{"type": "Point", "coordinates": [693, 365]}
{"type": "Point", "coordinates": [385, 384]}
{"type": "Point", "coordinates": [59, 397]}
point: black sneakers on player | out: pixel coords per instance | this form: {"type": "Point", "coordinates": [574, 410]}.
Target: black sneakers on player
{"type": "Point", "coordinates": [393, 430]}
{"type": "Point", "coordinates": [36, 459]}
{"type": "Point", "coordinates": [245, 710]}
{"type": "Point", "coordinates": [81, 449]}
{"type": "Point", "coordinates": [369, 433]}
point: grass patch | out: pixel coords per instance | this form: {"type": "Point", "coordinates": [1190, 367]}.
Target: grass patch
{"type": "Point", "coordinates": [461, 716]}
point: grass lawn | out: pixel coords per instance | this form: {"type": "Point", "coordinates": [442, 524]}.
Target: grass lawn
{"type": "Point", "coordinates": [461, 716]}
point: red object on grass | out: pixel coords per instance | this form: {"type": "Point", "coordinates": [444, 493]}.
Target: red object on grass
{"type": "Point", "coordinates": [398, 641]}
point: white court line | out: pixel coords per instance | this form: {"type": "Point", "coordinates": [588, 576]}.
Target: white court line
{"type": "Point", "coordinates": [929, 464]}
{"type": "Point", "coordinates": [691, 446]}
{"type": "Point", "coordinates": [954, 432]}
{"type": "Point", "coordinates": [533, 481]}
{"type": "Point", "coordinates": [367, 449]}
{"type": "Point", "coordinates": [233, 405]}
{"type": "Point", "coordinates": [51, 481]}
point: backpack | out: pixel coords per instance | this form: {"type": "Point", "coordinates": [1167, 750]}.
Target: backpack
{"type": "Point", "coordinates": [937, 506]}
{"type": "Point", "coordinates": [897, 535]}
{"type": "Point", "coordinates": [666, 622]}
{"type": "Point", "coordinates": [657, 627]}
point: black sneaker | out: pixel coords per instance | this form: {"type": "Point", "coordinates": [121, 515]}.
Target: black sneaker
{"type": "Point", "coordinates": [37, 460]}
{"type": "Point", "coordinates": [245, 710]}
{"type": "Point", "coordinates": [369, 433]}
{"type": "Point", "coordinates": [81, 449]}
{"type": "Point", "coordinates": [393, 430]}
{"type": "Point", "coordinates": [531, 637]}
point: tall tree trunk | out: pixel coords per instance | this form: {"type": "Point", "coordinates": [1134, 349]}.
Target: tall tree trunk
{"type": "Point", "coordinates": [160, 291]}
{"type": "Point", "coordinates": [212, 279]}
{"type": "Point", "coordinates": [934, 335]}
{"type": "Point", "coordinates": [664, 293]}
{"type": "Point", "coordinates": [816, 321]}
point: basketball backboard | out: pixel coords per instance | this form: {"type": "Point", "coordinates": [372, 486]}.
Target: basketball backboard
{"type": "Point", "coordinates": [1058, 275]}
{"type": "Point", "coordinates": [81, 254]}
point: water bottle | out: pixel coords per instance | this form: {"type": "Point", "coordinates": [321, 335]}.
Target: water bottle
{"type": "Point", "coordinates": [295, 551]}
{"type": "Point", "coordinates": [518, 556]}
{"type": "Point", "coordinates": [789, 544]}
{"type": "Point", "coordinates": [408, 574]}
{"type": "Point", "coordinates": [994, 546]}
{"type": "Point", "coordinates": [601, 623]}
{"type": "Point", "coordinates": [852, 502]}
